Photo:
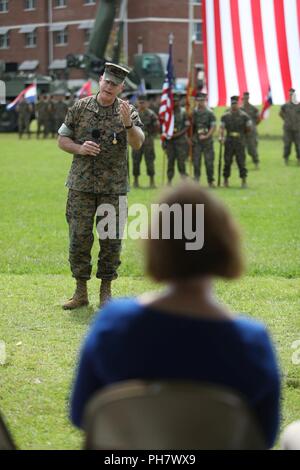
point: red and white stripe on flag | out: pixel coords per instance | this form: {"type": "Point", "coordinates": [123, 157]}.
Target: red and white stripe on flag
{"type": "Point", "coordinates": [251, 45]}
{"type": "Point", "coordinates": [166, 111]}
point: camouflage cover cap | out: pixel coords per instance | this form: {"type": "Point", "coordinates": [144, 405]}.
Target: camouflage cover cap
{"type": "Point", "coordinates": [292, 90]}
{"type": "Point", "coordinates": [246, 93]}
{"type": "Point", "coordinates": [201, 96]}
{"type": "Point", "coordinates": [115, 73]}
{"type": "Point", "coordinates": [234, 99]}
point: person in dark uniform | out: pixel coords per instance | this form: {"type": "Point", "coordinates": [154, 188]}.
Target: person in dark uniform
{"type": "Point", "coordinates": [290, 114]}
{"type": "Point", "coordinates": [252, 137]}
{"type": "Point", "coordinates": [236, 123]}
{"type": "Point", "coordinates": [97, 131]}
{"type": "Point", "coordinates": [204, 125]}
{"type": "Point", "coordinates": [177, 146]}
{"type": "Point", "coordinates": [151, 127]}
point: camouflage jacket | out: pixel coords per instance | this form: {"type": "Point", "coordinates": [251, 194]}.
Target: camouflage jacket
{"type": "Point", "coordinates": [41, 109]}
{"type": "Point", "coordinates": [236, 124]}
{"type": "Point", "coordinates": [107, 172]}
{"type": "Point", "coordinates": [150, 122]}
{"type": "Point", "coordinates": [181, 121]}
{"type": "Point", "coordinates": [291, 116]}
{"type": "Point", "coordinates": [60, 110]}
{"type": "Point", "coordinates": [252, 111]}
{"type": "Point", "coordinates": [203, 121]}
{"type": "Point", "coordinates": [24, 109]}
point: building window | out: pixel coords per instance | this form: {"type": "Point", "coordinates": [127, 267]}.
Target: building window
{"type": "Point", "coordinates": [87, 35]}
{"type": "Point", "coordinates": [30, 4]}
{"type": "Point", "coordinates": [89, 2]}
{"type": "Point", "coordinates": [60, 3]}
{"type": "Point", "coordinates": [3, 6]}
{"type": "Point", "coordinates": [61, 38]}
{"type": "Point", "coordinates": [30, 39]}
{"type": "Point", "coordinates": [197, 32]}
{"type": "Point", "coordinates": [4, 41]}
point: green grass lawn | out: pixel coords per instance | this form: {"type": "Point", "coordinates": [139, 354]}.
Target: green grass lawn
{"type": "Point", "coordinates": [42, 340]}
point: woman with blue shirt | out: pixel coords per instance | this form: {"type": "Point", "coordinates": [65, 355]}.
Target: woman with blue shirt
{"type": "Point", "coordinates": [183, 333]}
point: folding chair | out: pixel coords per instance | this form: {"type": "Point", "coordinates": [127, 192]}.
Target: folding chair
{"type": "Point", "coordinates": [6, 442]}
{"type": "Point", "coordinates": [170, 415]}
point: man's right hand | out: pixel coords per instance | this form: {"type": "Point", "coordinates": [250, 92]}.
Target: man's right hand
{"type": "Point", "coordinates": [89, 148]}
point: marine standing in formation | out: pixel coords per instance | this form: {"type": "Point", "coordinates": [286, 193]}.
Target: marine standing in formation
{"type": "Point", "coordinates": [97, 131]}
{"type": "Point", "coordinates": [177, 146]}
{"type": "Point", "coordinates": [60, 110]}
{"type": "Point", "coordinates": [290, 113]}
{"type": "Point", "coordinates": [204, 125]}
{"type": "Point", "coordinates": [24, 110]}
{"type": "Point", "coordinates": [42, 116]}
{"type": "Point", "coordinates": [252, 136]}
{"type": "Point", "coordinates": [151, 127]}
{"type": "Point", "coordinates": [237, 124]}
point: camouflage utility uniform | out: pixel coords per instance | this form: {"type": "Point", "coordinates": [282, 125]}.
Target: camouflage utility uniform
{"type": "Point", "coordinates": [24, 113]}
{"type": "Point", "coordinates": [237, 124]}
{"type": "Point", "coordinates": [95, 180]}
{"type": "Point", "coordinates": [203, 121]}
{"type": "Point", "coordinates": [290, 113]}
{"type": "Point", "coordinates": [251, 138]}
{"type": "Point", "coordinates": [150, 122]}
{"type": "Point", "coordinates": [41, 109]}
{"type": "Point", "coordinates": [177, 147]}
{"type": "Point", "coordinates": [60, 111]}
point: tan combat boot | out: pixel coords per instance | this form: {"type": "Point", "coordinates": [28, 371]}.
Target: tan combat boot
{"type": "Point", "coordinates": [136, 182]}
{"type": "Point", "coordinates": [105, 292]}
{"type": "Point", "coordinates": [244, 183]}
{"type": "Point", "coordinates": [80, 297]}
{"type": "Point", "coordinates": [152, 182]}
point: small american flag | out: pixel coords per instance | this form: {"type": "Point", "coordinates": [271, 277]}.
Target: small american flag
{"type": "Point", "coordinates": [266, 106]}
{"type": "Point", "coordinates": [166, 110]}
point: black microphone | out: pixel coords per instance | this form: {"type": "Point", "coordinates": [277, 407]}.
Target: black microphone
{"type": "Point", "coordinates": [96, 135]}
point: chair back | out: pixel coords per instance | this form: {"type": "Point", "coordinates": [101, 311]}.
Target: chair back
{"type": "Point", "coordinates": [6, 442]}
{"type": "Point", "coordinates": [170, 415]}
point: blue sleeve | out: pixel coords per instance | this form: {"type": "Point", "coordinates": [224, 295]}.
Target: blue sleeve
{"type": "Point", "coordinates": [267, 405]}
{"type": "Point", "coordinates": [85, 385]}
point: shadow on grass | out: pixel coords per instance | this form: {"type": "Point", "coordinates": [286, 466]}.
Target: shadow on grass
{"type": "Point", "coordinates": [83, 315]}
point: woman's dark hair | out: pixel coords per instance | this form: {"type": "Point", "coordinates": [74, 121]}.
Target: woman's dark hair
{"type": "Point", "coordinates": [169, 259]}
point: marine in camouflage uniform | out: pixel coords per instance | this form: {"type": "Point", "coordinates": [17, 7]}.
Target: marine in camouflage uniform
{"type": "Point", "coordinates": [24, 111]}
{"type": "Point", "coordinates": [204, 125]}
{"type": "Point", "coordinates": [236, 123]}
{"type": "Point", "coordinates": [41, 110]}
{"type": "Point", "coordinates": [60, 111]}
{"type": "Point", "coordinates": [98, 176]}
{"type": "Point", "coordinates": [251, 137]}
{"type": "Point", "coordinates": [51, 123]}
{"type": "Point", "coordinates": [177, 146]}
{"type": "Point", "coordinates": [151, 126]}
{"type": "Point", "coordinates": [290, 113]}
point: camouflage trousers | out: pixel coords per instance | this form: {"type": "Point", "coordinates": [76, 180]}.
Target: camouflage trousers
{"type": "Point", "coordinates": [42, 126]}
{"type": "Point", "coordinates": [81, 214]}
{"type": "Point", "coordinates": [176, 151]}
{"type": "Point", "coordinates": [290, 137]}
{"type": "Point", "coordinates": [147, 149]}
{"type": "Point", "coordinates": [206, 149]}
{"type": "Point", "coordinates": [234, 148]}
{"type": "Point", "coordinates": [23, 124]}
{"type": "Point", "coordinates": [251, 145]}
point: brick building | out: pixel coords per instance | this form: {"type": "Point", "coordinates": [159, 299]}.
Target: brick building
{"type": "Point", "coordinates": [37, 35]}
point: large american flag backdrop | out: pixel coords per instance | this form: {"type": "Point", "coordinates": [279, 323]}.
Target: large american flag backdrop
{"type": "Point", "coordinates": [251, 45]}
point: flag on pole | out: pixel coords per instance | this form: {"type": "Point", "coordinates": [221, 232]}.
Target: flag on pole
{"type": "Point", "coordinates": [29, 93]}
{"type": "Point", "coordinates": [166, 110]}
{"type": "Point", "coordinates": [85, 90]}
{"type": "Point", "coordinates": [266, 106]}
{"type": "Point", "coordinates": [251, 45]}
{"type": "Point", "coordinates": [192, 80]}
